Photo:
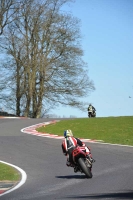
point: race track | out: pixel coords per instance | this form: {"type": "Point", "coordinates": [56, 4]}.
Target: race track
{"type": "Point", "coordinates": [48, 178]}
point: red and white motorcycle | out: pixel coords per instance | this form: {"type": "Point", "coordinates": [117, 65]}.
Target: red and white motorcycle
{"type": "Point", "coordinates": [81, 161]}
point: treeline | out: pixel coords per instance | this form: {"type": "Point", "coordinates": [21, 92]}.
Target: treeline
{"type": "Point", "coordinates": [6, 114]}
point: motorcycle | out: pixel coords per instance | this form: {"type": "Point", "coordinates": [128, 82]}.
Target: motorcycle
{"type": "Point", "coordinates": [92, 113]}
{"type": "Point", "coordinates": [81, 162]}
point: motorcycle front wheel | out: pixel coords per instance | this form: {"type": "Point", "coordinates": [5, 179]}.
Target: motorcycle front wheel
{"type": "Point", "coordinates": [86, 170]}
{"type": "Point", "coordinates": [89, 114]}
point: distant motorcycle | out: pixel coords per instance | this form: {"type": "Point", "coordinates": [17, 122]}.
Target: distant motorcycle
{"type": "Point", "coordinates": [81, 161]}
{"type": "Point", "coordinates": [92, 113]}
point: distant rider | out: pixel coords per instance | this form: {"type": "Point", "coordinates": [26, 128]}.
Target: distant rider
{"type": "Point", "coordinates": [70, 143]}
{"type": "Point", "coordinates": [91, 108]}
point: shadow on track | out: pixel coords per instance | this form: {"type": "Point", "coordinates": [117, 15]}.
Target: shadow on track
{"type": "Point", "coordinates": [119, 195]}
{"type": "Point", "coordinates": [72, 177]}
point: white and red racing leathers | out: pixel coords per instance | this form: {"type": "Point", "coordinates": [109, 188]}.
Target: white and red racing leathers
{"type": "Point", "coordinates": [68, 144]}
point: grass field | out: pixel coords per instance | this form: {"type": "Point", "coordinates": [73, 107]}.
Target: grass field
{"type": "Point", "coordinates": [8, 173]}
{"type": "Point", "coordinates": [115, 130]}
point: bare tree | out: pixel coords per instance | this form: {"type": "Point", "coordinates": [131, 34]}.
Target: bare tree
{"type": "Point", "coordinates": [8, 10]}
{"type": "Point", "coordinates": [44, 44]}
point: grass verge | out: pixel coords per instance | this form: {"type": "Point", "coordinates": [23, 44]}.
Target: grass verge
{"type": "Point", "coordinates": [8, 173]}
{"type": "Point", "coordinates": [115, 130]}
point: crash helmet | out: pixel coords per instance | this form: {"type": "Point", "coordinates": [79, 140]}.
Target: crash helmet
{"type": "Point", "coordinates": [68, 133]}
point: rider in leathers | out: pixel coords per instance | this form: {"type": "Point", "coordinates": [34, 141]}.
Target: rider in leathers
{"type": "Point", "coordinates": [91, 109]}
{"type": "Point", "coordinates": [69, 143]}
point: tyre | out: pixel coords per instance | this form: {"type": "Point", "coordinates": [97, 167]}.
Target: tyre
{"type": "Point", "coordinates": [84, 168]}
{"type": "Point", "coordinates": [89, 114]}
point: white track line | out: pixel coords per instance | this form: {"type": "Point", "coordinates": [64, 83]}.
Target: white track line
{"type": "Point", "coordinates": [23, 179]}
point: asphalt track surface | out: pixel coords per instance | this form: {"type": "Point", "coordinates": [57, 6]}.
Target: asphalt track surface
{"type": "Point", "coordinates": [48, 178]}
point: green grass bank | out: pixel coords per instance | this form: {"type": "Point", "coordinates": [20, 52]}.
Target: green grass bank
{"type": "Point", "coordinates": [8, 173]}
{"type": "Point", "coordinates": [115, 130]}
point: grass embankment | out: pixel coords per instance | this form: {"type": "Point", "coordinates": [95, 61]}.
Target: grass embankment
{"type": "Point", "coordinates": [115, 130]}
{"type": "Point", "coordinates": [8, 173]}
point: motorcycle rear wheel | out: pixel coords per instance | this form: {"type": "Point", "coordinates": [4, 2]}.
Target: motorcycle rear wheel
{"type": "Point", "coordinates": [84, 168]}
